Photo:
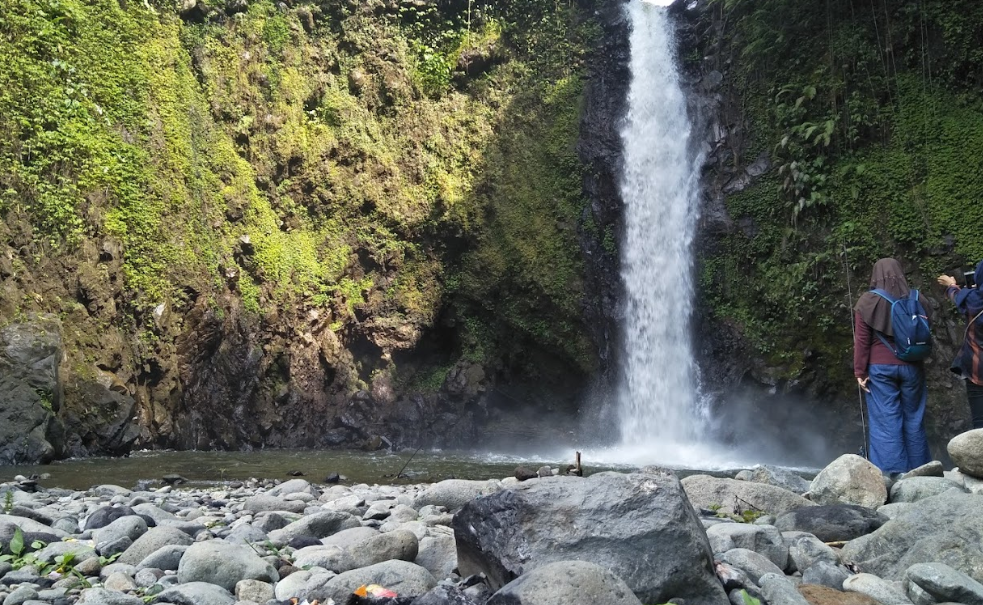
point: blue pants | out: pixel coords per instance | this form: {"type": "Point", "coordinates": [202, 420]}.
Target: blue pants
{"type": "Point", "coordinates": [896, 410]}
{"type": "Point", "coordinates": [974, 393]}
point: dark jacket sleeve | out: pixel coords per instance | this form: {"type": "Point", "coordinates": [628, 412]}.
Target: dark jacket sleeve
{"type": "Point", "coordinates": [863, 337]}
{"type": "Point", "coordinates": [951, 292]}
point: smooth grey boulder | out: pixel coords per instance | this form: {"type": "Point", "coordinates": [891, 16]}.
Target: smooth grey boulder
{"type": "Point", "coordinates": [119, 581]}
{"type": "Point", "coordinates": [734, 497]}
{"type": "Point", "coordinates": [640, 526]}
{"type": "Point", "coordinates": [145, 578]}
{"type": "Point", "coordinates": [452, 494]}
{"type": "Point", "coordinates": [223, 564]}
{"type": "Point", "coordinates": [947, 528]}
{"type": "Point", "coordinates": [438, 552]}
{"type": "Point", "coordinates": [246, 534]}
{"type": "Point", "coordinates": [773, 475]}
{"type": "Point", "coordinates": [733, 578]}
{"type": "Point", "coordinates": [154, 512]}
{"type": "Point", "coordinates": [566, 583]}
{"type": "Point", "coordinates": [331, 557]}
{"type": "Point", "coordinates": [265, 503]}
{"type": "Point", "coordinates": [165, 558]}
{"type": "Point", "coordinates": [192, 528]}
{"type": "Point", "coordinates": [195, 593]}
{"type": "Point", "coordinates": [319, 525]}
{"type": "Point", "coordinates": [894, 509]}
{"type": "Point", "coordinates": [108, 490]}
{"type": "Point", "coordinates": [294, 585]}
{"type": "Point", "coordinates": [40, 532]}
{"type": "Point", "coordinates": [28, 574]}
{"type": "Point", "coordinates": [849, 479]}
{"type": "Point", "coordinates": [80, 552]}
{"type": "Point", "coordinates": [30, 389]}
{"type": "Point", "coordinates": [117, 567]}
{"type": "Point", "coordinates": [352, 504]}
{"type": "Point", "coordinates": [918, 595]}
{"type": "Point", "coordinates": [763, 539]}
{"type": "Point", "coordinates": [832, 523]}
{"type": "Point", "coordinates": [152, 541]}
{"type": "Point", "coordinates": [973, 484]}
{"type": "Point", "coordinates": [944, 583]}
{"type": "Point", "coordinates": [919, 488]}
{"type": "Point", "coordinates": [778, 590]}
{"type": "Point", "coordinates": [403, 578]}
{"type": "Point", "coordinates": [805, 550]}
{"type": "Point", "coordinates": [753, 564]}
{"type": "Point", "coordinates": [69, 525]}
{"type": "Point", "coordinates": [445, 595]}
{"type": "Point", "coordinates": [102, 596]}
{"type": "Point", "coordinates": [270, 521]}
{"type": "Point", "coordinates": [348, 538]}
{"type": "Point", "coordinates": [29, 526]}
{"type": "Point", "coordinates": [417, 528]}
{"type": "Point", "coordinates": [966, 451]}
{"type": "Point", "coordinates": [131, 527]}
{"type": "Point", "coordinates": [825, 573]}
{"type": "Point", "coordinates": [29, 513]}
{"type": "Point", "coordinates": [103, 516]}
{"type": "Point", "coordinates": [929, 469]}
{"type": "Point", "coordinates": [254, 591]}
{"type": "Point", "coordinates": [395, 545]}
{"type": "Point", "coordinates": [20, 595]}
{"type": "Point", "coordinates": [293, 486]}
{"type": "Point", "coordinates": [115, 547]}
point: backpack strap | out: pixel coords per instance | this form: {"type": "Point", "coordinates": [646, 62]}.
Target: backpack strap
{"type": "Point", "coordinates": [883, 294]}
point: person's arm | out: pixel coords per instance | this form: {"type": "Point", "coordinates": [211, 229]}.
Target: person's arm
{"type": "Point", "coordinates": [862, 338]}
{"type": "Point", "coordinates": [951, 289]}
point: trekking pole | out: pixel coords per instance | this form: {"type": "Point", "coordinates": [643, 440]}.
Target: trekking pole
{"type": "Point", "coordinates": [853, 330]}
{"type": "Point", "coordinates": [420, 447]}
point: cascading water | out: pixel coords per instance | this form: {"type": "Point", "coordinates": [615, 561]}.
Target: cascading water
{"type": "Point", "coordinates": [663, 417]}
{"type": "Point", "coordinates": [661, 413]}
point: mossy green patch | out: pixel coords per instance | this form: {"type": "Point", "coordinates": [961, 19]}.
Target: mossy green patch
{"type": "Point", "coordinates": [349, 157]}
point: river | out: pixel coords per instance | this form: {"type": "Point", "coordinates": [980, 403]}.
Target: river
{"type": "Point", "coordinates": [146, 468]}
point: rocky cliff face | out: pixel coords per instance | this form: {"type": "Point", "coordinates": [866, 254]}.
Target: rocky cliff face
{"type": "Point", "coordinates": [600, 149]}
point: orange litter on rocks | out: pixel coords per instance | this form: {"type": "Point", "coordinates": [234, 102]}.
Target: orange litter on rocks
{"type": "Point", "coordinates": [374, 590]}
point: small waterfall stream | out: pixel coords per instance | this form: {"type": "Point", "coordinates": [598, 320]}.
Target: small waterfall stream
{"type": "Point", "coordinates": [661, 411]}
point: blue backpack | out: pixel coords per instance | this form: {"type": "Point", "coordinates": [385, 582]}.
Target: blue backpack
{"type": "Point", "coordinates": [912, 335]}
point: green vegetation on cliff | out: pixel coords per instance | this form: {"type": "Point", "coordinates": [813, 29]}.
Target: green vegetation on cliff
{"type": "Point", "coordinates": [872, 116]}
{"type": "Point", "coordinates": [379, 162]}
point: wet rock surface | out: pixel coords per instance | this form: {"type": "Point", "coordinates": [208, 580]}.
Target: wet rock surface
{"type": "Point", "coordinates": [30, 389]}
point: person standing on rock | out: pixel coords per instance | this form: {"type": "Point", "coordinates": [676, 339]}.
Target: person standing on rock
{"type": "Point", "coordinates": [896, 390]}
{"type": "Point", "coordinates": [968, 363]}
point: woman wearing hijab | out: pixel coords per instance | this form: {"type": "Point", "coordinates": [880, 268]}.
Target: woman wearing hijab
{"type": "Point", "coordinates": [896, 392]}
{"type": "Point", "coordinates": [968, 363]}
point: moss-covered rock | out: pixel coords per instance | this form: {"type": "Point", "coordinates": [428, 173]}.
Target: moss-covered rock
{"type": "Point", "coordinates": [249, 212]}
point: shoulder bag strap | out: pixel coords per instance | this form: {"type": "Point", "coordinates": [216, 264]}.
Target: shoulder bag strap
{"type": "Point", "coordinates": [972, 321]}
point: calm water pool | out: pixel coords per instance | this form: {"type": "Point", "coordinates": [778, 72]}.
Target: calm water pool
{"type": "Point", "coordinates": [210, 468]}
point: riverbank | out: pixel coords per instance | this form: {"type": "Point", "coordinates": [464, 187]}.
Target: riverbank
{"type": "Point", "coordinates": [848, 536]}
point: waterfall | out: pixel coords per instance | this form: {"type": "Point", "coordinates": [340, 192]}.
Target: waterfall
{"type": "Point", "coordinates": [660, 409]}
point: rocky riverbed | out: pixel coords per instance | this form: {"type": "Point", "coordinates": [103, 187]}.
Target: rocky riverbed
{"type": "Point", "coordinates": [850, 536]}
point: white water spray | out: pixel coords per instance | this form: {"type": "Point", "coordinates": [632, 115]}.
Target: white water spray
{"type": "Point", "coordinates": [661, 413]}
{"type": "Point", "coordinates": [663, 417]}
